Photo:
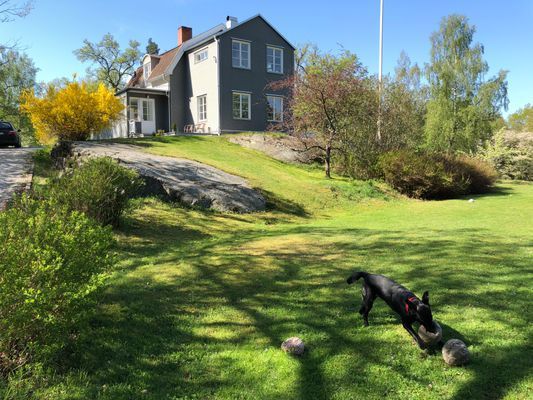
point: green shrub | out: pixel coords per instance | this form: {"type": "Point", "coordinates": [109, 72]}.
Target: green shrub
{"type": "Point", "coordinates": [98, 187]}
{"type": "Point", "coordinates": [511, 153]}
{"type": "Point", "coordinates": [51, 262]}
{"type": "Point", "coordinates": [473, 174]}
{"type": "Point", "coordinates": [435, 176]}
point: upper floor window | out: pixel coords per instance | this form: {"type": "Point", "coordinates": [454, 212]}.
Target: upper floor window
{"type": "Point", "coordinates": [240, 54]}
{"type": "Point", "coordinates": [202, 108]}
{"type": "Point", "coordinates": [147, 70]}
{"type": "Point", "coordinates": [274, 59]}
{"type": "Point", "coordinates": [241, 105]}
{"type": "Point", "coordinates": [275, 108]}
{"type": "Point", "coordinates": [200, 56]}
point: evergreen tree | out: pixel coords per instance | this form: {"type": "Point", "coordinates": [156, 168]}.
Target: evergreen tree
{"type": "Point", "coordinates": [152, 47]}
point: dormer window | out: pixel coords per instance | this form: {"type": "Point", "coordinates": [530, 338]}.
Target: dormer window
{"type": "Point", "coordinates": [200, 56]}
{"type": "Point", "coordinates": [147, 70]}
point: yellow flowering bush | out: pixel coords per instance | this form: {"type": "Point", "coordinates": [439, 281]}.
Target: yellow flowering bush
{"type": "Point", "coordinates": [72, 112]}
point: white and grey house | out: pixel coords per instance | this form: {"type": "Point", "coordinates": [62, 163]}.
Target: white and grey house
{"type": "Point", "coordinates": [215, 82]}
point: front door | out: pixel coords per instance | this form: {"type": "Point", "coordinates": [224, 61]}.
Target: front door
{"type": "Point", "coordinates": [147, 115]}
{"type": "Point", "coordinates": [143, 111]}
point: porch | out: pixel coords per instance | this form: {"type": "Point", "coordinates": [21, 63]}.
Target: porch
{"type": "Point", "coordinates": [147, 111]}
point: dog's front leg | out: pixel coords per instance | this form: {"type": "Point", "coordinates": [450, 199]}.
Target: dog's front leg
{"type": "Point", "coordinates": [415, 336]}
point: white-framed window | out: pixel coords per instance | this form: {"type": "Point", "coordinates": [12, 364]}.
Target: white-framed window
{"type": "Point", "coordinates": [134, 109]}
{"type": "Point", "coordinates": [274, 59]}
{"type": "Point", "coordinates": [147, 70]}
{"type": "Point", "coordinates": [240, 54]}
{"type": "Point", "coordinates": [200, 55]}
{"type": "Point", "coordinates": [148, 109]}
{"type": "Point", "coordinates": [202, 107]}
{"type": "Point", "coordinates": [275, 108]}
{"type": "Point", "coordinates": [241, 105]}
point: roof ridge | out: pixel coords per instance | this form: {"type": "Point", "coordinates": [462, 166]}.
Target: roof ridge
{"type": "Point", "coordinates": [168, 51]}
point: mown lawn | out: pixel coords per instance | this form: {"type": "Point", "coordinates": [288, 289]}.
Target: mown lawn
{"type": "Point", "coordinates": [202, 301]}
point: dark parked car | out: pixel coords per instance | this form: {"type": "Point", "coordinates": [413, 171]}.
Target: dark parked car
{"type": "Point", "coordinates": [8, 135]}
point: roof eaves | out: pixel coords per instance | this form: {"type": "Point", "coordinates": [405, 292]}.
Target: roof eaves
{"type": "Point", "coordinates": [141, 90]}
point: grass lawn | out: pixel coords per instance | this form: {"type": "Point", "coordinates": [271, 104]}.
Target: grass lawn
{"type": "Point", "coordinates": [201, 301]}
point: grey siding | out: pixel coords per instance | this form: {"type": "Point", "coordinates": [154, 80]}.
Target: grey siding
{"type": "Point", "coordinates": [178, 95]}
{"type": "Point", "coordinates": [181, 92]}
{"type": "Point", "coordinates": [255, 80]}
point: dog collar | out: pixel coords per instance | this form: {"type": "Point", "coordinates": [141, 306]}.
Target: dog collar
{"type": "Point", "coordinates": [407, 303]}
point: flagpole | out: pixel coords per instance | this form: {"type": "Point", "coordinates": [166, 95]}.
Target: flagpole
{"type": "Point", "coordinates": [380, 75]}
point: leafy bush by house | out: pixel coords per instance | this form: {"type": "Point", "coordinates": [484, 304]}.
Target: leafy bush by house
{"type": "Point", "coordinates": [511, 153]}
{"type": "Point", "coordinates": [51, 262]}
{"type": "Point", "coordinates": [71, 112]}
{"type": "Point", "coordinates": [435, 176]}
{"type": "Point", "coordinates": [98, 187]}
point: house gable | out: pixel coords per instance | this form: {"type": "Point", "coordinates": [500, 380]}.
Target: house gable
{"type": "Point", "coordinates": [254, 20]}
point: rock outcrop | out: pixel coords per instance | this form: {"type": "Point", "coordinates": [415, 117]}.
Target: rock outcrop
{"type": "Point", "coordinates": [188, 182]}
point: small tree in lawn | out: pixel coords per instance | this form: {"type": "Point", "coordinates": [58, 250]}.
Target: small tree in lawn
{"type": "Point", "coordinates": [72, 112]}
{"type": "Point", "coordinates": [326, 92]}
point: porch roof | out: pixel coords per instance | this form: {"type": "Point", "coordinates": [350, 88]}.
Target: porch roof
{"type": "Point", "coordinates": [142, 90]}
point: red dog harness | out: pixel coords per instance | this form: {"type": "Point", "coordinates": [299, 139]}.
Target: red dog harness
{"type": "Point", "coordinates": [407, 303]}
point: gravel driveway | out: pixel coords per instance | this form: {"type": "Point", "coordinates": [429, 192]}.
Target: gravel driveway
{"type": "Point", "coordinates": [15, 172]}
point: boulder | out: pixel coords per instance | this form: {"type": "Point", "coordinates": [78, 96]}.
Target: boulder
{"type": "Point", "coordinates": [61, 152]}
{"type": "Point", "coordinates": [188, 182]}
{"type": "Point", "coordinates": [455, 352]}
{"type": "Point", "coordinates": [428, 337]}
{"type": "Point", "coordinates": [294, 346]}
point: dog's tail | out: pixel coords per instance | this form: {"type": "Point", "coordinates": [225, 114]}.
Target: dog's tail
{"type": "Point", "coordinates": [355, 276]}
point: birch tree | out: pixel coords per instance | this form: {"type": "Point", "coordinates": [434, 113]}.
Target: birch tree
{"type": "Point", "coordinates": [462, 103]}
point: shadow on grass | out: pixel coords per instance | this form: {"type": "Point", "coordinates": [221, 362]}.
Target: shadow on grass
{"type": "Point", "coordinates": [277, 203]}
{"type": "Point", "coordinates": [205, 304]}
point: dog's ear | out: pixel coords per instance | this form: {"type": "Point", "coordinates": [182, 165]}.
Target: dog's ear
{"type": "Point", "coordinates": [425, 298]}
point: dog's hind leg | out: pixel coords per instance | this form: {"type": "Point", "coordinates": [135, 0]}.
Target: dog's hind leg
{"type": "Point", "coordinates": [368, 301]}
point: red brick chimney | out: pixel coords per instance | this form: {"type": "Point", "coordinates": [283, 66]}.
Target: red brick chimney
{"type": "Point", "coordinates": [184, 34]}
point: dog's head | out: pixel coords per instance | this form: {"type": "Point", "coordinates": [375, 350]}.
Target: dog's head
{"type": "Point", "coordinates": [423, 313]}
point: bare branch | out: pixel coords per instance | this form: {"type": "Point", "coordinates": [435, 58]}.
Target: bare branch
{"type": "Point", "coordinates": [9, 9]}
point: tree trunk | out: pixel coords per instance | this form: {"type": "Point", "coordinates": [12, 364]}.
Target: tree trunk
{"type": "Point", "coordinates": [328, 161]}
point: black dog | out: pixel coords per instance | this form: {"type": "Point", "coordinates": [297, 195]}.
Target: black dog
{"type": "Point", "coordinates": [409, 307]}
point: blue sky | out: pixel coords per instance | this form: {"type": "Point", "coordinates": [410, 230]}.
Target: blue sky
{"type": "Point", "coordinates": [56, 27]}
